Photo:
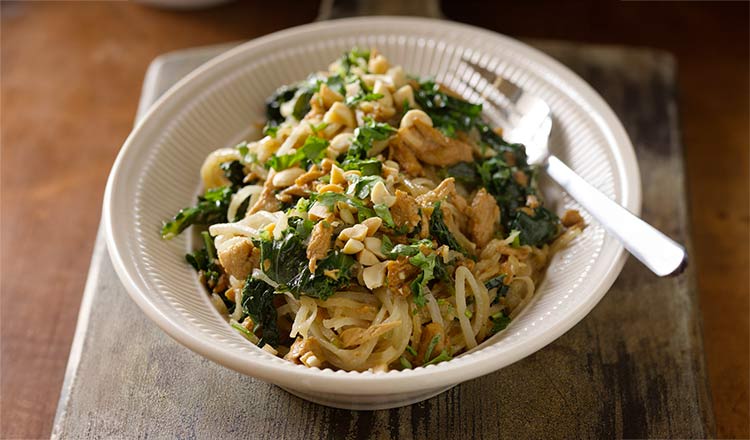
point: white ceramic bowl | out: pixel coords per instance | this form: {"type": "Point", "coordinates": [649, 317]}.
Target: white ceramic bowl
{"type": "Point", "coordinates": [156, 174]}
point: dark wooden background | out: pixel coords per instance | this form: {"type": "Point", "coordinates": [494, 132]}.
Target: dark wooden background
{"type": "Point", "coordinates": [70, 76]}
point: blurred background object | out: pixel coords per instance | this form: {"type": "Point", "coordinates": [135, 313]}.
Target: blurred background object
{"type": "Point", "coordinates": [70, 78]}
{"type": "Point", "coordinates": [184, 5]}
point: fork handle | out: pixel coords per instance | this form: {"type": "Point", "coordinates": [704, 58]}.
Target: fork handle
{"type": "Point", "coordinates": [658, 252]}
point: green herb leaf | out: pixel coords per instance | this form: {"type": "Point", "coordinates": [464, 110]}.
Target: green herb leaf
{"type": "Point", "coordinates": [368, 167]}
{"type": "Point", "coordinates": [499, 322]}
{"type": "Point", "coordinates": [270, 130]}
{"type": "Point", "coordinates": [405, 363]}
{"type": "Point", "coordinates": [431, 346]}
{"type": "Point", "coordinates": [362, 97]}
{"type": "Point", "coordinates": [427, 263]}
{"type": "Point", "coordinates": [442, 357]}
{"type": "Point", "coordinates": [312, 150]}
{"type": "Point", "coordinates": [365, 135]}
{"type": "Point", "coordinates": [211, 209]}
{"type": "Point", "coordinates": [384, 213]}
{"type": "Point", "coordinates": [407, 250]}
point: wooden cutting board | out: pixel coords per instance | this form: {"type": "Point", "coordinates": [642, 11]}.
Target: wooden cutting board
{"type": "Point", "coordinates": [632, 368]}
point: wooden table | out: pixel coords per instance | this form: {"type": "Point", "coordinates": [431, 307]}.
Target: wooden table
{"type": "Point", "coordinates": [63, 64]}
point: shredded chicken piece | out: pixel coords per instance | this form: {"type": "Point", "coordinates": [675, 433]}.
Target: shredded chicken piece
{"type": "Point", "coordinates": [446, 190]}
{"type": "Point", "coordinates": [433, 147]}
{"type": "Point", "coordinates": [405, 211]}
{"type": "Point", "coordinates": [295, 190]}
{"type": "Point", "coordinates": [400, 273]}
{"type": "Point", "coordinates": [267, 201]}
{"type": "Point", "coordinates": [313, 173]}
{"type": "Point", "coordinates": [522, 178]}
{"type": "Point", "coordinates": [239, 259]}
{"type": "Point", "coordinates": [484, 216]}
{"type": "Point", "coordinates": [405, 157]}
{"type": "Point", "coordinates": [320, 243]}
{"type": "Point", "coordinates": [572, 218]}
{"type": "Point", "coordinates": [455, 226]}
{"type": "Point", "coordinates": [532, 201]}
{"type": "Point", "coordinates": [424, 225]}
{"type": "Point", "coordinates": [300, 349]}
{"type": "Point", "coordinates": [357, 336]}
{"type": "Point", "coordinates": [428, 333]}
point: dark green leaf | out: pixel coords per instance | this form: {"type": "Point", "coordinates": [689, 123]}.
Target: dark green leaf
{"type": "Point", "coordinates": [536, 230]}
{"type": "Point", "coordinates": [465, 173]}
{"type": "Point", "coordinates": [440, 232]}
{"type": "Point", "coordinates": [273, 103]}
{"type": "Point", "coordinates": [368, 167]}
{"type": "Point", "coordinates": [257, 301]}
{"type": "Point", "coordinates": [499, 321]}
{"type": "Point", "coordinates": [234, 171]}
{"type": "Point", "coordinates": [211, 209]}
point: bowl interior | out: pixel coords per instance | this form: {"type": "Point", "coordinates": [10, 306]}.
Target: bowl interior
{"type": "Point", "coordinates": [157, 173]}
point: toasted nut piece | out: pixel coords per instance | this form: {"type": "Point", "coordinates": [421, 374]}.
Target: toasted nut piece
{"type": "Point", "coordinates": [367, 258]}
{"type": "Point", "coordinates": [404, 94]}
{"type": "Point", "coordinates": [337, 175]}
{"type": "Point", "coordinates": [286, 177]}
{"type": "Point", "coordinates": [353, 246]}
{"type": "Point", "coordinates": [331, 187]}
{"type": "Point", "coordinates": [392, 164]}
{"type": "Point", "coordinates": [415, 115]}
{"type": "Point", "coordinates": [267, 147]}
{"type": "Point", "coordinates": [341, 114]}
{"type": "Point", "coordinates": [374, 276]}
{"type": "Point", "coordinates": [341, 143]}
{"type": "Point", "coordinates": [380, 195]}
{"type": "Point", "coordinates": [378, 64]}
{"type": "Point", "coordinates": [309, 359]}
{"type": "Point", "coordinates": [357, 232]}
{"type": "Point", "coordinates": [381, 88]}
{"type": "Point", "coordinates": [398, 76]}
{"type": "Point", "coordinates": [329, 96]}
{"type": "Point", "coordinates": [318, 211]}
{"type": "Point", "coordinates": [373, 224]}
{"type": "Point", "coordinates": [374, 245]}
{"type": "Point", "coordinates": [346, 216]}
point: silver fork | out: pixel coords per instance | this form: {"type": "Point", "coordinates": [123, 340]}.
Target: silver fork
{"type": "Point", "coordinates": [529, 122]}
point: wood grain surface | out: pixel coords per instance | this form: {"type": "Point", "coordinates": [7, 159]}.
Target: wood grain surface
{"type": "Point", "coordinates": [69, 82]}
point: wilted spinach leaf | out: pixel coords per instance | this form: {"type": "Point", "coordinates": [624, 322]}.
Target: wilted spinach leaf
{"type": "Point", "coordinates": [257, 301]}
{"type": "Point", "coordinates": [538, 229]}
{"type": "Point", "coordinates": [211, 209]}
{"type": "Point", "coordinates": [440, 232]}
